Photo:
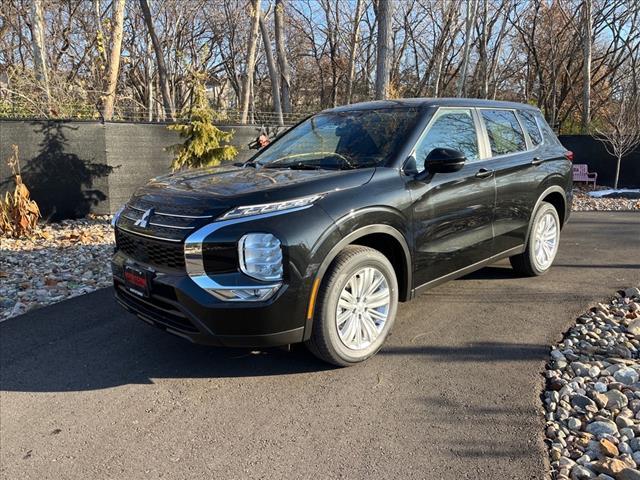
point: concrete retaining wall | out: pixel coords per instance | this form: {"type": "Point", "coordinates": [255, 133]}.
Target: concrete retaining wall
{"type": "Point", "coordinates": [73, 168]}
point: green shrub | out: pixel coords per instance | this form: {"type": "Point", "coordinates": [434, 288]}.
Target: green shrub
{"type": "Point", "coordinates": [205, 144]}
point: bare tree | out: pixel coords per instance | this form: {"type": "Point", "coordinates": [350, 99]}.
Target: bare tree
{"type": "Point", "coordinates": [39, 52]}
{"type": "Point", "coordinates": [353, 47]}
{"type": "Point", "coordinates": [283, 64]}
{"type": "Point", "coordinates": [531, 51]}
{"type": "Point", "coordinates": [384, 16]}
{"type": "Point", "coordinates": [167, 99]}
{"type": "Point", "coordinates": [252, 45]}
{"type": "Point", "coordinates": [271, 65]}
{"type": "Point", "coordinates": [587, 39]}
{"type": "Point", "coordinates": [472, 6]}
{"type": "Point", "coordinates": [114, 58]}
{"type": "Point", "coordinates": [621, 132]}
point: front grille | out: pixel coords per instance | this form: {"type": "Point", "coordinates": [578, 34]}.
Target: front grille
{"type": "Point", "coordinates": [157, 253]}
{"type": "Point", "coordinates": [158, 311]}
{"type": "Point", "coordinates": [161, 225]}
{"type": "Point", "coordinates": [174, 208]}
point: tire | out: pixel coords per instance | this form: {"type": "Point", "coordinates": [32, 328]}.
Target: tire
{"type": "Point", "coordinates": [341, 344]}
{"type": "Point", "coordinates": [528, 263]}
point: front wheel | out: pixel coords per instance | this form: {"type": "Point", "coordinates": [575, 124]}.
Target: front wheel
{"type": "Point", "coordinates": [542, 245]}
{"type": "Point", "coordinates": [356, 308]}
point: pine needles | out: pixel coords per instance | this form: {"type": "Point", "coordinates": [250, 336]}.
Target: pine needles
{"type": "Point", "coordinates": [205, 144]}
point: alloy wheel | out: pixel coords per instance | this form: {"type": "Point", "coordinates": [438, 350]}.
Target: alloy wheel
{"type": "Point", "coordinates": [363, 308]}
{"type": "Point", "coordinates": [545, 242]}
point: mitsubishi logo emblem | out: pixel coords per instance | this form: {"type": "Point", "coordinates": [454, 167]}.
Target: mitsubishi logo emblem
{"type": "Point", "coordinates": [143, 222]}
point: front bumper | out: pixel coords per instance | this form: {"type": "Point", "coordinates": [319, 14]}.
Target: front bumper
{"type": "Point", "coordinates": [179, 306]}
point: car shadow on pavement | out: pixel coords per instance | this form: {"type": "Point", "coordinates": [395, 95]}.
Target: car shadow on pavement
{"type": "Point", "coordinates": [89, 343]}
{"type": "Point", "coordinates": [591, 265]}
{"type": "Point", "coordinates": [474, 352]}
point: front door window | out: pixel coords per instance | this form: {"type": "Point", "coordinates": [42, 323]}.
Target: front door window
{"type": "Point", "coordinates": [450, 129]}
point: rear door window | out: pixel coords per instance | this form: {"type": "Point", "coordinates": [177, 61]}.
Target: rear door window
{"type": "Point", "coordinates": [504, 131]}
{"type": "Point", "coordinates": [451, 128]}
{"type": "Point", "coordinates": [530, 124]}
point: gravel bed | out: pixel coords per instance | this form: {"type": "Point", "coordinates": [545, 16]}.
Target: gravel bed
{"type": "Point", "coordinates": [592, 397]}
{"type": "Point", "coordinates": [582, 202]}
{"type": "Point", "coordinates": [59, 261]}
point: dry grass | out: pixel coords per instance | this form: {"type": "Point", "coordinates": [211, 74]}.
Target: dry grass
{"type": "Point", "coordinates": [18, 213]}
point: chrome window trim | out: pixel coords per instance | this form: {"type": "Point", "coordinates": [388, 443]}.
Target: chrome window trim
{"type": "Point", "coordinates": [194, 263]}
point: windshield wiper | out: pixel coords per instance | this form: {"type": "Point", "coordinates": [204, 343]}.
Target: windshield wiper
{"type": "Point", "coordinates": [294, 166]}
{"type": "Point", "coordinates": [249, 163]}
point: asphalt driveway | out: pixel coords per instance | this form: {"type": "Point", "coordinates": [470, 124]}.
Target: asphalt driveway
{"type": "Point", "coordinates": [88, 391]}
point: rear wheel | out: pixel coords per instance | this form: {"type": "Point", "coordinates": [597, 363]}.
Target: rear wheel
{"type": "Point", "coordinates": [356, 308]}
{"type": "Point", "coordinates": [542, 245]}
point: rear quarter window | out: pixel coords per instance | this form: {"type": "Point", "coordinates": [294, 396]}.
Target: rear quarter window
{"type": "Point", "coordinates": [504, 131]}
{"type": "Point", "coordinates": [530, 124]}
{"type": "Point", "coordinates": [547, 133]}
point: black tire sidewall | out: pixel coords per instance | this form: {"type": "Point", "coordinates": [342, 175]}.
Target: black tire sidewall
{"type": "Point", "coordinates": [334, 287]}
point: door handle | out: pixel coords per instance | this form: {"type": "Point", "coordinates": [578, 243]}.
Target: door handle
{"type": "Point", "coordinates": [484, 173]}
{"type": "Point", "coordinates": [537, 161]}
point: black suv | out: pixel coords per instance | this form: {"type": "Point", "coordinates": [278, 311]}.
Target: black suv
{"type": "Point", "coordinates": [320, 234]}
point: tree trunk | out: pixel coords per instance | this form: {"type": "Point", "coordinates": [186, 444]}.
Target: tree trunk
{"type": "Point", "coordinates": [384, 14]}
{"type": "Point", "coordinates": [352, 51]}
{"type": "Point", "coordinates": [114, 58]}
{"type": "Point", "coordinates": [251, 59]}
{"type": "Point", "coordinates": [484, 56]}
{"type": "Point", "coordinates": [273, 73]}
{"type": "Point", "coordinates": [283, 64]}
{"type": "Point", "coordinates": [471, 12]}
{"type": "Point", "coordinates": [39, 52]}
{"type": "Point", "coordinates": [586, 72]}
{"type": "Point", "coordinates": [149, 82]}
{"type": "Point", "coordinates": [162, 69]}
{"type": "Point", "coordinates": [617, 177]}
{"type": "Point", "coordinates": [436, 82]}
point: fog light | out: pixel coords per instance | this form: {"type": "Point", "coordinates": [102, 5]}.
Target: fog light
{"type": "Point", "coordinates": [260, 256]}
{"type": "Point", "coordinates": [246, 294]}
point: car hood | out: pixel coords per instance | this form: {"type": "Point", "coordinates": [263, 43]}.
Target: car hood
{"type": "Point", "coordinates": [213, 190]}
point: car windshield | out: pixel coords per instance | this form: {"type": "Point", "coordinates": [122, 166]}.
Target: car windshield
{"type": "Point", "coordinates": [336, 140]}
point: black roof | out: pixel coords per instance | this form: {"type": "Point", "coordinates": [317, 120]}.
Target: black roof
{"type": "Point", "coordinates": [430, 102]}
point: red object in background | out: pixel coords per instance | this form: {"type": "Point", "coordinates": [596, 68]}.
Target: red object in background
{"type": "Point", "coordinates": [263, 141]}
{"type": "Point", "coordinates": [569, 155]}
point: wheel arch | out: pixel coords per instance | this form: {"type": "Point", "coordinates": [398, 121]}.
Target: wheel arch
{"type": "Point", "coordinates": [556, 196]}
{"type": "Point", "coordinates": [384, 238]}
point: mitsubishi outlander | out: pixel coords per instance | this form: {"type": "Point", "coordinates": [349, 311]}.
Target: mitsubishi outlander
{"type": "Point", "coordinates": [319, 236]}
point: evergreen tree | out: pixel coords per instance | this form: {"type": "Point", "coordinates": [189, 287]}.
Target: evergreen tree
{"type": "Point", "coordinates": [205, 144]}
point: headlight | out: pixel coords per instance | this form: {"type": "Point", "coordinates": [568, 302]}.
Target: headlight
{"type": "Point", "coordinates": [247, 210]}
{"type": "Point", "coordinates": [116, 215]}
{"type": "Point", "coordinates": [260, 256]}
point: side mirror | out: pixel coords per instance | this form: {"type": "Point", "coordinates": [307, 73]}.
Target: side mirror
{"type": "Point", "coordinates": [444, 160]}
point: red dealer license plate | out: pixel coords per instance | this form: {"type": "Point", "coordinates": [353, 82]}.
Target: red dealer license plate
{"type": "Point", "coordinates": [136, 280]}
